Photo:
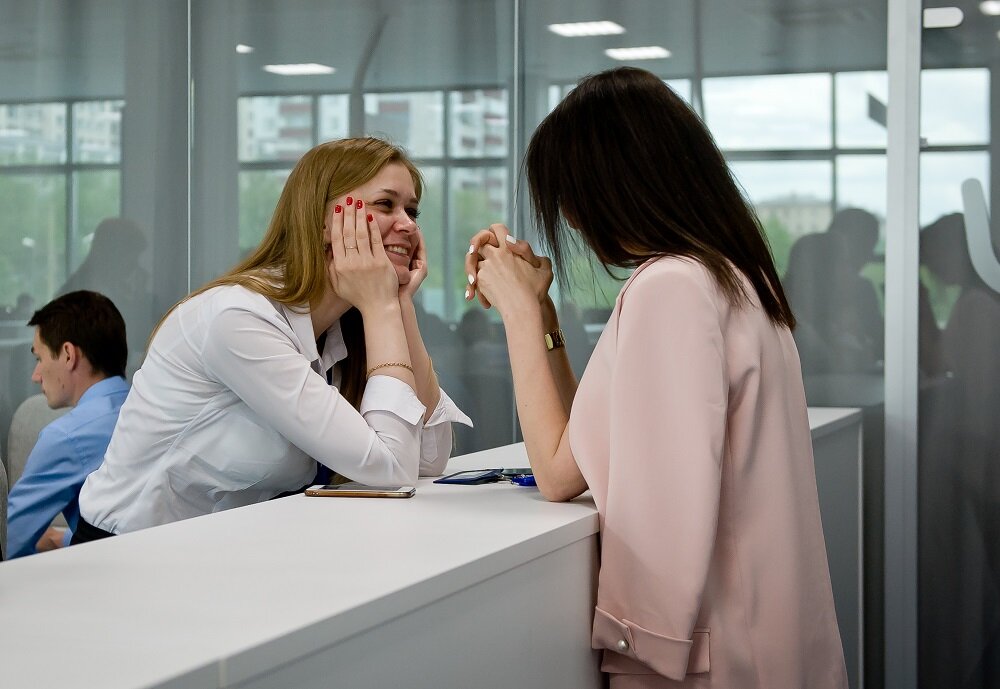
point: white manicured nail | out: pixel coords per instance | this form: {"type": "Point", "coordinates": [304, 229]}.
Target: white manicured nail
{"type": "Point", "coordinates": [468, 293]}
{"type": "Point", "coordinates": [472, 280]}
{"type": "Point", "coordinates": [511, 239]}
{"type": "Point", "coordinates": [472, 249]}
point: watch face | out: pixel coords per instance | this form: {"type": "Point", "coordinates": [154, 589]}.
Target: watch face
{"type": "Point", "coordinates": [554, 340]}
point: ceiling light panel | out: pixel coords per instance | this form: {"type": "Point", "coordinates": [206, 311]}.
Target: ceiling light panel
{"type": "Point", "coordinates": [578, 29]}
{"type": "Point", "coordinates": [648, 52]}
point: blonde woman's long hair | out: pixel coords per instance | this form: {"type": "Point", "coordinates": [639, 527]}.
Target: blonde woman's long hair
{"type": "Point", "coordinates": [293, 248]}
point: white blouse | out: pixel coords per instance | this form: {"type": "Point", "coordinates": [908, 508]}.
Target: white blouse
{"type": "Point", "coordinates": [232, 406]}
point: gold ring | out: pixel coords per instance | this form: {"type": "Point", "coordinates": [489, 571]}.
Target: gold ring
{"type": "Point", "coordinates": [351, 247]}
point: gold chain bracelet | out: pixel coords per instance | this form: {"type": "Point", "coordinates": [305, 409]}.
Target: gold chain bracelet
{"type": "Point", "coordinates": [376, 367]}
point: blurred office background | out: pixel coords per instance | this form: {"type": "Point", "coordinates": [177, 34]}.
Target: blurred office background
{"type": "Point", "coordinates": [143, 144]}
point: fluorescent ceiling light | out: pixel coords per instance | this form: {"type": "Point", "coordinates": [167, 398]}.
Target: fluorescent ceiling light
{"type": "Point", "coordinates": [244, 49]}
{"type": "Point", "coordinates": [576, 29]}
{"type": "Point", "coordinates": [942, 17]}
{"type": "Point", "coordinates": [306, 69]}
{"type": "Point", "coordinates": [990, 7]}
{"type": "Point", "coordinates": [649, 52]}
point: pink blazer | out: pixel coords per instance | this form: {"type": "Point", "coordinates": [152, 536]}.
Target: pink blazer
{"type": "Point", "coordinates": [690, 428]}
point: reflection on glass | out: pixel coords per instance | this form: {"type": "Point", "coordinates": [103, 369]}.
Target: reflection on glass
{"type": "Point", "coordinates": [274, 127]}
{"type": "Point", "coordinates": [414, 121]}
{"type": "Point", "coordinates": [478, 198]}
{"type": "Point", "coordinates": [479, 123]}
{"type": "Point", "coordinates": [769, 112]}
{"type": "Point", "coordinates": [431, 222]}
{"type": "Point", "coordinates": [97, 130]}
{"type": "Point", "coordinates": [954, 106]}
{"type": "Point", "coordinates": [32, 133]}
{"type": "Point", "coordinates": [334, 112]}
{"type": "Point", "coordinates": [862, 98]}
{"type": "Point", "coordinates": [861, 183]}
{"type": "Point", "coordinates": [792, 198]}
{"type": "Point", "coordinates": [259, 192]}
{"type": "Point", "coordinates": [98, 196]}
{"type": "Point", "coordinates": [32, 234]}
{"type": "Point", "coordinates": [941, 177]}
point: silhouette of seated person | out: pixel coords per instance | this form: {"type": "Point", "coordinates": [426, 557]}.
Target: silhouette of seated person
{"type": "Point", "coordinates": [578, 347]}
{"type": "Point", "coordinates": [112, 268]}
{"type": "Point", "coordinates": [960, 470]}
{"type": "Point", "coordinates": [486, 383]}
{"type": "Point", "coordinates": [840, 323]}
{"type": "Point", "coordinates": [970, 340]}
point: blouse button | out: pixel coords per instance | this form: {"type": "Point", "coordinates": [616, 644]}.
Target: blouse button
{"type": "Point", "coordinates": [622, 646]}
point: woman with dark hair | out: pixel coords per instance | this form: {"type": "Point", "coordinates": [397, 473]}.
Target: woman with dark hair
{"type": "Point", "coordinates": [306, 352]}
{"type": "Point", "coordinates": [689, 425]}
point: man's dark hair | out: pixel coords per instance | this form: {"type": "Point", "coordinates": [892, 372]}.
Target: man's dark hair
{"type": "Point", "coordinates": [89, 321]}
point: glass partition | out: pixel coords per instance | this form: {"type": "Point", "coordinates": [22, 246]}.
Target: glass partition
{"type": "Point", "coordinates": [959, 295]}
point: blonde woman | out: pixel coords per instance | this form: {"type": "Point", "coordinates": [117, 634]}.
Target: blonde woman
{"type": "Point", "coordinates": [306, 352]}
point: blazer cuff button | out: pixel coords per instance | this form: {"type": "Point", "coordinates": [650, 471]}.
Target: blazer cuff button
{"type": "Point", "coordinates": [622, 646]}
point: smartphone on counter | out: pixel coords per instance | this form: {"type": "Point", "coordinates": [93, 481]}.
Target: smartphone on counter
{"type": "Point", "coordinates": [359, 490]}
{"type": "Point", "coordinates": [473, 477]}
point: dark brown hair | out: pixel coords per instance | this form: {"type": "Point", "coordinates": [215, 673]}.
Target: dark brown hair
{"type": "Point", "coordinates": [87, 320]}
{"type": "Point", "coordinates": [639, 176]}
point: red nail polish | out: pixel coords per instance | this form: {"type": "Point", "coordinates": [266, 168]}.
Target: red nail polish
{"type": "Point", "coordinates": [359, 204]}
{"type": "Point", "coordinates": [371, 217]}
{"type": "Point", "coordinates": [350, 201]}
{"type": "Point", "coordinates": [338, 209]}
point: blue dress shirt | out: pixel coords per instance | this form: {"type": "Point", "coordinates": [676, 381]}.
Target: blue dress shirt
{"type": "Point", "coordinates": [68, 449]}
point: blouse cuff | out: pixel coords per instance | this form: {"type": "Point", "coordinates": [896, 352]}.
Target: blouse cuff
{"type": "Point", "coordinates": [447, 410]}
{"type": "Point", "coordinates": [673, 658]}
{"type": "Point", "coordinates": [385, 393]}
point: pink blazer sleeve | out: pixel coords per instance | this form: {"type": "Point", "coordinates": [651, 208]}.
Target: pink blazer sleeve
{"type": "Point", "coordinates": [668, 418]}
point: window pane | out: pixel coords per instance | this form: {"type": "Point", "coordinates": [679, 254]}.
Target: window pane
{"type": "Point", "coordinates": [259, 192]}
{"type": "Point", "coordinates": [861, 101]}
{"type": "Point", "coordinates": [97, 130]}
{"type": "Point", "coordinates": [954, 106]}
{"type": "Point", "coordinates": [478, 126]}
{"type": "Point", "coordinates": [941, 177]}
{"type": "Point", "coordinates": [32, 133]}
{"type": "Point", "coordinates": [769, 112]}
{"type": "Point", "coordinates": [98, 196]}
{"type": "Point", "coordinates": [274, 127]}
{"type": "Point", "coordinates": [861, 183]}
{"type": "Point", "coordinates": [431, 222]}
{"type": "Point", "coordinates": [32, 235]}
{"type": "Point", "coordinates": [334, 116]}
{"type": "Point", "coordinates": [414, 121]}
{"type": "Point", "coordinates": [792, 199]}
{"type": "Point", "coordinates": [478, 197]}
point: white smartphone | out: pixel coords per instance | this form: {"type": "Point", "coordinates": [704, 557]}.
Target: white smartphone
{"type": "Point", "coordinates": [360, 490]}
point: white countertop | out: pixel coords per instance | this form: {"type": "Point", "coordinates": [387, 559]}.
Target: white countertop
{"type": "Point", "coordinates": [212, 601]}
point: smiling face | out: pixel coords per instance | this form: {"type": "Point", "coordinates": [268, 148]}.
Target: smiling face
{"type": "Point", "coordinates": [391, 198]}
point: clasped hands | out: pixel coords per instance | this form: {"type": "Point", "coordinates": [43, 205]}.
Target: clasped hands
{"type": "Point", "coordinates": [505, 273]}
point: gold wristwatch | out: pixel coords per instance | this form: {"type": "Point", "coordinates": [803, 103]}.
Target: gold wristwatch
{"type": "Point", "coordinates": [554, 340]}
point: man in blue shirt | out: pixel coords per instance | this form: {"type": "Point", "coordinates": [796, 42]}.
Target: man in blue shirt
{"type": "Point", "coordinates": [81, 353]}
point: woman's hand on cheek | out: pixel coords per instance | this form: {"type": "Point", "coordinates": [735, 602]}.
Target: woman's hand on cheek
{"type": "Point", "coordinates": [418, 268]}
{"type": "Point", "coordinates": [360, 271]}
